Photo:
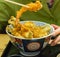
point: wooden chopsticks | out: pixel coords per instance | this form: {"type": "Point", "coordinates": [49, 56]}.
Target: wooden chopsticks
{"type": "Point", "coordinates": [17, 3]}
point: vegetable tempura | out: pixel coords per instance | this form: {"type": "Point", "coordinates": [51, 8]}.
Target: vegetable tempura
{"type": "Point", "coordinates": [28, 29]}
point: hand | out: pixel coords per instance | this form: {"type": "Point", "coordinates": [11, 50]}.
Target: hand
{"type": "Point", "coordinates": [56, 32]}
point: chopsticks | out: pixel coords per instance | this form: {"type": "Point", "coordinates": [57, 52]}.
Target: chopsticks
{"type": "Point", "coordinates": [17, 3]}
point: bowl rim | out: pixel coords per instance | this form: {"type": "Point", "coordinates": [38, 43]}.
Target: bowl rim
{"type": "Point", "coordinates": [32, 38]}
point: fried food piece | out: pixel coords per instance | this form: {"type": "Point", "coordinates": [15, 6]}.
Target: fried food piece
{"type": "Point", "coordinates": [29, 24]}
{"type": "Point", "coordinates": [32, 7]}
{"type": "Point", "coordinates": [28, 34]}
{"type": "Point", "coordinates": [28, 29]}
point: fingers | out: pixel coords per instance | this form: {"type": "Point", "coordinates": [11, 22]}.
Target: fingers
{"type": "Point", "coordinates": [47, 39]}
{"type": "Point", "coordinates": [56, 32]}
{"type": "Point", "coordinates": [55, 26]}
{"type": "Point", "coordinates": [55, 41]}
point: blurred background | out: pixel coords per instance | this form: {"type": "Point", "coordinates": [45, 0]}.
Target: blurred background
{"type": "Point", "coordinates": [50, 12]}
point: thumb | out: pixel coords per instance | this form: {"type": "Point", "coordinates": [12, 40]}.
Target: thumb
{"type": "Point", "coordinates": [55, 26]}
{"type": "Point", "coordinates": [56, 32]}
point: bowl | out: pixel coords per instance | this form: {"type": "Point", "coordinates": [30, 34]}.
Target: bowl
{"type": "Point", "coordinates": [30, 47]}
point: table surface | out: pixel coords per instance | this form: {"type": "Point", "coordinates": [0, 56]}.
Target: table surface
{"type": "Point", "coordinates": [4, 39]}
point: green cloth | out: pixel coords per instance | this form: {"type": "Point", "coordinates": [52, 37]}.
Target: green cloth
{"type": "Point", "coordinates": [51, 15]}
